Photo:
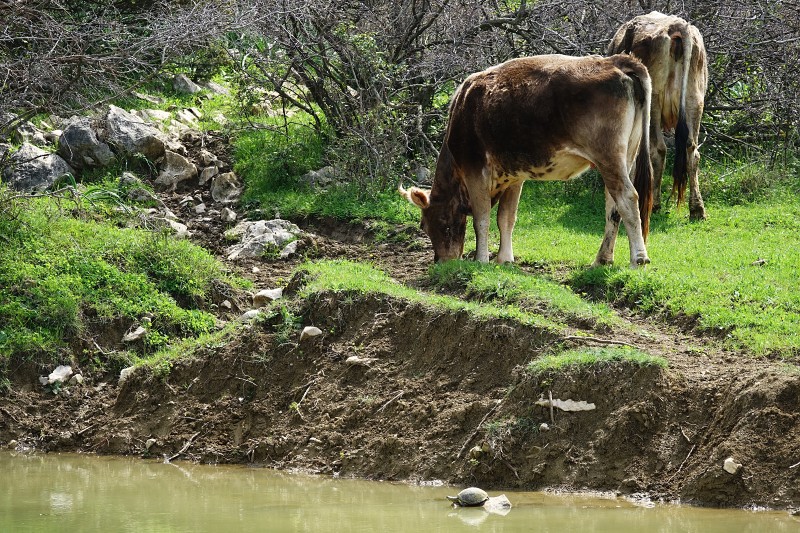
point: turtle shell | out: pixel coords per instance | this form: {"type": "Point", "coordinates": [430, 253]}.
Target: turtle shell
{"type": "Point", "coordinates": [470, 497]}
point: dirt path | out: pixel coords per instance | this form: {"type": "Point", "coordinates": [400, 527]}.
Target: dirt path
{"type": "Point", "coordinates": [395, 390]}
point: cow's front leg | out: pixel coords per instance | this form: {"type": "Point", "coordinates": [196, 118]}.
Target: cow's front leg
{"type": "Point", "coordinates": [506, 218]}
{"type": "Point", "coordinates": [606, 254]}
{"type": "Point", "coordinates": [481, 202]}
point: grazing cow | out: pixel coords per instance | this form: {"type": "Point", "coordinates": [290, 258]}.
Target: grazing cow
{"type": "Point", "coordinates": [674, 54]}
{"type": "Point", "coordinates": [541, 118]}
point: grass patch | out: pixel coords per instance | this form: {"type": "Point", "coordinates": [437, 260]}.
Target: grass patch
{"type": "Point", "coordinates": [507, 284]}
{"type": "Point", "coordinates": [347, 276]}
{"type": "Point", "coordinates": [58, 273]}
{"type": "Point", "coordinates": [594, 357]}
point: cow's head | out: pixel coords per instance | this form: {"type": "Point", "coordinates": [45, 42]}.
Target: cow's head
{"type": "Point", "coordinates": [443, 219]}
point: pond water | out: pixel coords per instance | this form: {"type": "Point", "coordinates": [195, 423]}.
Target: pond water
{"type": "Point", "coordinates": [76, 493]}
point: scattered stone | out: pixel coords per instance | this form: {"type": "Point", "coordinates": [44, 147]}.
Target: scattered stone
{"type": "Point", "coordinates": [544, 427]}
{"type": "Point", "coordinates": [129, 135]}
{"type": "Point", "coordinates": [216, 88]}
{"type": "Point", "coordinates": [226, 304]}
{"type": "Point", "coordinates": [77, 379]}
{"type": "Point", "coordinates": [125, 373]}
{"type": "Point", "coordinates": [731, 466]}
{"type": "Point", "coordinates": [265, 296]}
{"type": "Point", "coordinates": [255, 270]}
{"type": "Point", "coordinates": [322, 178]}
{"type": "Point", "coordinates": [135, 335]}
{"type": "Point", "coordinates": [186, 117]}
{"type": "Point", "coordinates": [200, 208]}
{"type": "Point", "coordinates": [225, 188]}
{"type": "Point", "coordinates": [157, 116]}
{"type": "Point", "coordinates": [206, 158]}
{"type": "Point", "coordinates": [250, 315]}
{"type": "Point", "coordinates": [60, 375]}
{"type": "Point", "coordinates": [174, 169]}
{"type": "Point", "coordinates": [140, 194]}
{"type": "Point", "coordinates": [289, 250]}
{"type": "Point", "coordinates": [149, 443]}
{"type": "Point", "coordinates": [309, 332]}
{"type": "Point", "coordinates": [148, 98]}
{"type": "Point", "coordinates": [498, 504]}
{"type": "Point", "coordinates": [31, 168]}
{"type": "Point", "coordinates": [80, 147]}
{"type": "Point", "coordinates": [355, 360]}
{"type": "Point", "coordinates": [257, 237]}
{"type": "Point", "coordinates": [228, 215]}
{"type": "Point", "coordinates": [207, 174]}
{"type": "Point", "coordinates": [27, 132]}
{"type": "Point", "coordinates": [12, 444]}
{"type": "Point", "coordinates": [53, 136]}
{"type": "Point", "coordinates": [180, 229]}
{"type": "Point", "coordinates": [183, 84]}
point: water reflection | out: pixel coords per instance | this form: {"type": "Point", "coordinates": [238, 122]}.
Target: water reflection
{"type": "Point", "coordinates": [86, 493]}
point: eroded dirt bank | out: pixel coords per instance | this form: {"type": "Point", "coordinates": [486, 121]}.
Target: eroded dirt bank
{"type": "Point", "coordinates": [426, 390]}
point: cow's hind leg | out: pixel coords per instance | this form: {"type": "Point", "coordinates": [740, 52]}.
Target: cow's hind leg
{"type": "Point", "coordinates": [506, 218]}
{"type": "Point", "coordinates": [626, 200]}
{"type": "Point", "coordinates": [606, 254]}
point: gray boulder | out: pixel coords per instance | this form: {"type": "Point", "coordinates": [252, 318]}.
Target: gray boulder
{"type": "Point", "coordinates": [261, 236]}
{"type": "Point", "coordinates": [32, 168]}
{"type": "Point", "coordinates": [174, 169]}
{"type": "Point", "coordinates": [80, 147]}
{"type": "Point", "coordinates": [225, 188]}
{"type": "Point", "coordinates": [183, 84]}
{"type": "Point", "coordinates": [129, 135]}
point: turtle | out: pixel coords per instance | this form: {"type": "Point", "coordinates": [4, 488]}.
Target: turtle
{"type": "Point", "coordinates": [470, 497]}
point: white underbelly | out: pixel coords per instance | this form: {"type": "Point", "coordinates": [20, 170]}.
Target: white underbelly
{"type": "Point", "coordinates": [561, 167]}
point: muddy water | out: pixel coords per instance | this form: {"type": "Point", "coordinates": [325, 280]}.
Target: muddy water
{"type": "Point", "coordinates": [41, 493]}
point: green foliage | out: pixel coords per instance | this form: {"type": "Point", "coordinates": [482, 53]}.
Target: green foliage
{"type": "Point", "coordinates": [350, 277]}
{"type": "Point", "coordinates": [594, 357]}
{"type": "Point", "coordinates": [56, 272]}
{"type": "Point", "coordinates": [509, 285]}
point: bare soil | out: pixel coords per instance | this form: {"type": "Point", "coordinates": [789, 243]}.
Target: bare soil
{"type": "Point", "coordinates": [436, 395]}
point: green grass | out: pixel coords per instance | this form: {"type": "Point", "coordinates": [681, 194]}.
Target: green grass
{"type": "Point", "coordinates": [57, 272]}
{"type": "Point", "coordinates": [361, 278]}
{"type": "Point", "coordinates": [509, 285]}
{"type": "Point", "coordinates": [593, 357]}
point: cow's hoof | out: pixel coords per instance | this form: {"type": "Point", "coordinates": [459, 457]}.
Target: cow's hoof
{"type": "Point", "coordinates": [697, 214]}
{"type": "Point", "coordinates": [642, 261]}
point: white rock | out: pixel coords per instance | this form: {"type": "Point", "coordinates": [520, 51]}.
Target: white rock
{"type": "Point", "coordinates": [149, 444]}
{"type": "Point", "coordinates": [60, 374]}
{"type": "Point", "coordinates": [731, 466]}
{"type": "Point", "coordinates": [250, 315]}
{"type": "Point", "coordinates": [228, 215]}
{"type": "Point", "coordinates": [289, 250]}
{"type": "Point", "coordinates": [265, 296]}
{"type": "Point", "coordinates": [77, 379]}
{"type": "Point", "coordinates": [544, 427]}
{"type": "Point", "coordinates": [226, 304]}
{"type": "Point", "coordinates": [181, 230]}
{"type": "Point", "coordinates": [200, 209]}
{"type": "Point", "coordinates": [135, 335]}
{"type": "Point", "coordinates": [43, 380]}
{"type": "Point", "coordinates": [125, 373]}
{"type": "Point", "coordinates": [207, 174]}
{"type": "Point", "coordinates": [310, 331]}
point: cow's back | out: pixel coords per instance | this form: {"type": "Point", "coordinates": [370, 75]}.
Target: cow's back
{"type": "Point", "coordinates": [520, 112]}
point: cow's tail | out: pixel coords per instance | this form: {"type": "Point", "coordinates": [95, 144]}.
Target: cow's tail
{"type": "Point", "coordinates": [681, 50]}
{"type": "Point", "coordinates": [643, 173]}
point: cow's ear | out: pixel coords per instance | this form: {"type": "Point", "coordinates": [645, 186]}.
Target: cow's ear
{"type": "Point", "coordinates": [417, 196]}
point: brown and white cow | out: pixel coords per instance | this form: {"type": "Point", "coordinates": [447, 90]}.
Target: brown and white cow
{"type": "Point", "coordinates": [674, 54]}
{"type": "Point", "coordinates": [545, 117]}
